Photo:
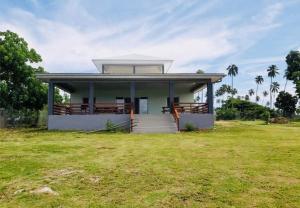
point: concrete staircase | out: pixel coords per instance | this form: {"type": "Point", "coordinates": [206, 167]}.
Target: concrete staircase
{"type": "Point", "coordinates": [149, 123]}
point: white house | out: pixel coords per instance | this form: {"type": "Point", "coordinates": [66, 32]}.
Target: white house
{"type": "Point", "coordinates": [134, 92]}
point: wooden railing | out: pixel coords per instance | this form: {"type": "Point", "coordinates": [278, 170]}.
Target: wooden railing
{"type": "Point", "coordinates": [176, 116]}
{"type": "Point", "coordinates": [131, 118]}
{"type": "Point", "coordinates": [98, 108]}
{"type": "Point", "coordinates": [188, 108]}
{"type": "Point", "coordinates": [191, 107]}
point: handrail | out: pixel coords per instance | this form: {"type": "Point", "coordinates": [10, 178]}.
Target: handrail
{"type": "Point", "coordinates": [83, 108]}
{"type": "Point", "coordinates": [131, 118]}
{"type": "Point", "coordinates": [176, 116]}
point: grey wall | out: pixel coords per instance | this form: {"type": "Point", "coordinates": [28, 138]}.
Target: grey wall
{"type": "Point", "coordinates": [85, 122]}
{"type": "Point", "coordinates": [200, 121]}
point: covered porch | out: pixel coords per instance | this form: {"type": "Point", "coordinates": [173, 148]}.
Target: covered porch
{"type": "Point", "coordinates": [123, 97]}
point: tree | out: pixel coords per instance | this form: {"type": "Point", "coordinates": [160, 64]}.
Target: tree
{"type": "Point", "coordinates": [265, 93]}
{"type": "Point", "coordinates": [20, 90]}
{"type": "Point", "coordinates": [274, 88]}
{"type": "Point", "coordinates": [286, 103]}
{"type": "Point", "coordinates": [251, 92]}
{"type": "Point", "coordinates": [259, 80]}
{"type": "Point", "coordinates": [247, 97]}
{"type": "Point", "coordinates": [200, 71]}
{"type": "Point", "coordinates": [19, 87]}
{"type": "Point", "coordinates": [272, 72]}
{"type": "Point", "coordinates": [232, 72]}
{"type": "Point", "coordinates": [293, 69]}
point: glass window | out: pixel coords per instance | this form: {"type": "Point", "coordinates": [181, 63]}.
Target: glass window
{"type": "Point", "coordinates": [148, 69]}
{"type": "Point", "coordinates": [109, 69]}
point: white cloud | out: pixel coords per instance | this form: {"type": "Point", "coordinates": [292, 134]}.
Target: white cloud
{"type": "Point", "coordinates": [68, 48]}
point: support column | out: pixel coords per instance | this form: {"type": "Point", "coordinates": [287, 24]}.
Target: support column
{"type": "Point", "coordinates": [50, 97]}
{"type": "Point", "coordinates": [210, 97]}
{"type": "Point", "coordinates": [171, 95]}
{"type": "Point", "coordinates": [132, 94]}
{"type": "Point", "coordinates": [91, 97]}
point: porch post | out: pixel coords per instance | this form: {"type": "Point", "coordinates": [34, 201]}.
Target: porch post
{"type": "Point", "coordinates": [91, 97]}
{"type": "Point", "coordinates": [50, 97]}
{"type": "Point", "coordinates": [171, 95]}
{"type": "Point", "coordinates": [132, 94]}
{"type": "Point", "coordinates": [210, 97]}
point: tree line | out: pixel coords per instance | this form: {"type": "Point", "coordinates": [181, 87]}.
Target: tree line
{"type": "Point", "coordinates": [285, 102]}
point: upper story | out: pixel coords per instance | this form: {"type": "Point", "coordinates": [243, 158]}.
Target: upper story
{"type": "Point", "coordinates": [133, 64]}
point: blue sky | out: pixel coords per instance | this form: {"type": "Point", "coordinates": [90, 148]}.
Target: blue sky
{"type": "Point", "coordinates": [196, 34]}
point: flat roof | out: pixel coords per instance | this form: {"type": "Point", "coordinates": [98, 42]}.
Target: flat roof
{"type": "Point", "coordinates": [46, 77]}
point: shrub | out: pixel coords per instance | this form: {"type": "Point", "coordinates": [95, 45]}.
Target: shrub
{"type": "Point", "coordinates": [110, 126]}
{"type": "Point", "coordinates": [266, 117]}
{"type": "Point", "coordinates": [190, 127]}
{"type": "Point", "coordinates": [279, 120]}
{"type": "Point", "coordinates": [243, 109]}
{"type": "Point", "coordinates": [227, 114]}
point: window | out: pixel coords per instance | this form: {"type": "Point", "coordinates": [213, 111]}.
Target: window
{"type": "Point", "coordinates": [148, 69]}
{"type": "Point", "coordinates": [115, 69]}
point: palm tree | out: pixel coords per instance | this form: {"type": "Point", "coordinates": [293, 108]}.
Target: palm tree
{"type": "Point", "coordinates": [286, 80]}
{"type": "Point", "coordinates": [272, 72]}
{"type": "Point", "coordinates": [274, 88]}
{"type": "Point", "coordinates": [232, 71]}
{"type": "Point", "coordinates": [247, 97]}
{"type": "Point", "coordinates": [251, 92]}
{"type": "Point", "coordinates": [265, 93]}
{"type": "Point", "coordinates": [259, 80]}
{"type": "Point", "coordinates": [257, 98]}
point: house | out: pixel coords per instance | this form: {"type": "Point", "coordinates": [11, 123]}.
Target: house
{"type": "Point", "coordinates": [134, 92]}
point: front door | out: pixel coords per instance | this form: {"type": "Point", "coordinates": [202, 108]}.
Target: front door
{"type": "Point", "coordinates": [143, 105]}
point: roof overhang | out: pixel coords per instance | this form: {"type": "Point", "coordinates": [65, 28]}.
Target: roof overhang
{"type": "Point", "coordinates": [132, 60]}
{"type": "Point", "coordinates": [60, 77]}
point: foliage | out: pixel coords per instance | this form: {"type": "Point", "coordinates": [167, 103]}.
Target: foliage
{"type": "Point", "coordinates": [286, 103]}
{"type": "Point", "coordinates": [279, 120]}
{"type": "Point", "coordinates": [225, 89]}
{"type": "Point", "coordinates": [190, 127]}
{"type": "Point", "coordinates": [232, 71]}
{"type": "Point", "coordinates": [251, 92]}
{"type": "Point", "coordinates": [293, 69]}
{"type": "Point", "coordinates": [226, 114]}
{"type": "Point", "coordinates": [22, 118]}
{"type": "Point", "coordinates": [242, 109]}
{"type": "Point", "coordinates": [266, 116]}
{"type": "Point", "coordinates": [110, 126]}
{"type": "Point", "coordinates": [275, 87]}
{"type": "Point", "coordinates": [19, 87]}
{"type": "Point", "coordinates": [200, 71]}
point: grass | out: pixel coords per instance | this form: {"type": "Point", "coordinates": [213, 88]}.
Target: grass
{"type": "Point", "coordinates": [238, 164]}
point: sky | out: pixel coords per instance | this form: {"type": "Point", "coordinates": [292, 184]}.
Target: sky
{"type": "Point", "coordinates": [196, 34]}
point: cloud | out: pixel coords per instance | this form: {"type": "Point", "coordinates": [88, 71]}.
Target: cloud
{"type": "Point", "coordinates": [179, 31]}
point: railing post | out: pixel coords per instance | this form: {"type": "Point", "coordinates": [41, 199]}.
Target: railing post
{"type": "Point", "coordinates": [50, 97]}
{"type": "Point", "coordinates": [210, 97]}
{"type": "Point", "coordinates": [91, 97]}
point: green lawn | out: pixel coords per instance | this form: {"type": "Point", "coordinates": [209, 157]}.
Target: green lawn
{"type": "Point", "coordinates": [238, 164]}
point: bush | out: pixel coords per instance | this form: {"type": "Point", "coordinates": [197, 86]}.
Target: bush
{"type": "Point", "coordinates": [279, 120]}
{"type": "Point", "coordinates": [227, 114]}
{"type": "Point", "coordinates": [246, 110]}
{"type": "Point", "coordinates": [266, 117]}
{"type": "Point", "coordinates": [110, 126]}
{"type": "Point", "coordinates": [190, 127]}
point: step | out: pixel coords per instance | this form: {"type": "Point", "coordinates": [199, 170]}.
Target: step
{"type": "Point", "coordinates": [149, 123]}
